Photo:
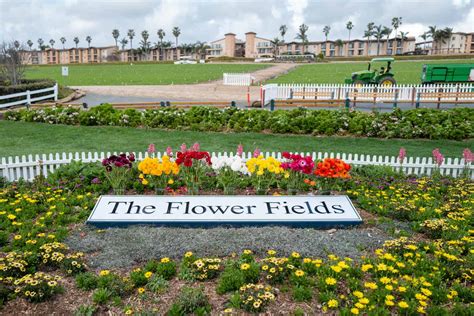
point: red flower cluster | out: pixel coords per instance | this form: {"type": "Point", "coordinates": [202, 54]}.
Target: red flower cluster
{"type": "Point", "coordinates": [119, 161]}
{"type": "Point", "coordinates": [298, 163]}
{"type": "Point", "coordinates": [186, 158]}
{"type": "Point", "coordinates": [333, 168]}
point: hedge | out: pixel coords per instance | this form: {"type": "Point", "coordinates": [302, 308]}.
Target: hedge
{"type": "Point", "coordinates": [27, 85]}
{"type": "Point", "coordinates": [417, 123]}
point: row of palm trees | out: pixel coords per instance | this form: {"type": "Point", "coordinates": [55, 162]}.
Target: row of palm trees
{"type": "Point", "coordinates": [52, 42]}
{"type": "Point", "coordinates": [144, 43]}
{"type": "Point", "coordinates": [438, 36]}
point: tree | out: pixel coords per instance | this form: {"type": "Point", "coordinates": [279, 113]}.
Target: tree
{"type": "Point", "coordinates": [403, 36]}
{"type": "Point", "coordinates": [349, 27]}
{"type": "Point", "coordinates": [387, 31]}
{"type": "Point", "coordinates": [116, 35]}
{"type": "Point", "coordinates": [176, 33]}
{"type": "Point", "coordinates": [396, 22]}
{"type": "Point", "coordinates": [12, 64]}
{"type": "Point", "coordinates": [276, 42]}
{"type": "Point", "coordinates": [161, 35]}
{"type": "Point", "coordinates": [145, 44]}
{"type": "Point", "coordinates": [378, 34]}
{"type": "Point", "coordinates": [52, 42]}
{"type": "Point", "coordinates": [326, 31]}
{"type": "Point", "coordinates": [16, 44]}
{"type": "Point", "coordinates": [339, 43]}
{"type": "Point", "coordinates": [448, 32]}
{"type": "Point", "coordinates": [303, 29]}
{"type": "Point", "coordinates": [88, 40]}
{"type": "Point", "coordinates": [368, 33]}
{"type": "Point", "coordinates": [283, 30]}
{"type": "Point", "coordinates": [40, 43]}
{"type": "Point", "coordinates": [424, 36]}
{"type": "Point", "coordinates": [201, 48]}
{"type": "Point", "coordinates": [76, 40]}
{"type": "Point", "coordinates": [63, 40]}
{"type": "Point", "coordinates": [123, 42]}
{"type": "Point", "coordinates": [131, 35]}
{"type": "Point", "coordinates": [432, 31]}
{"type": "Point", "coordinates": [30, 43]}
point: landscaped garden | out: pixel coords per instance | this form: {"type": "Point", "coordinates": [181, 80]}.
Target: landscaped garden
{"type": "Point", "coordinates": [138, 74]}
{"type": "Point", "coordinates": [406, 72]}
{"type": "Point", "coordinates": [413, 254]}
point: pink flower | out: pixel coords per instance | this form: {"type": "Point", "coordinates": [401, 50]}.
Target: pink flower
{"type": "Point", "coordinates": [438, 157]}
{"type": "Point", "coordinates": [195, 147]}
{"type": "Point", "coordinates": [468, 155]}
{"type": "Point", "coordinates": [183, 147]}
{"type": "Point", "coordinates": [256, 153]}
{"type": "Point", "coordinates": [169, 151]}
{"type": "Point", "coordinates": [402, 154]}
{"type": "Point", "coordinates": [151, 148]}
{"type": "Point", "coordinates": [240, 150]}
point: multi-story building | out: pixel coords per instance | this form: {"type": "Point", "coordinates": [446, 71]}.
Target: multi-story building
{"type": "Point", "coordinates": [350, 48]}
{"type": "Point", "coordinates": [157, 54]}
{"type": "Point", "coordinates": [70, 56]}
{"type": "Point", "coordinates": [230, 46]}
{"type": "Point", "coordinates": [458, 43]}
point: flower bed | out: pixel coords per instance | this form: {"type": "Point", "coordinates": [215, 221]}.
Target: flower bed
{"type": "Point", "coordinates": [428, 270]}
{"type": "Point", "coordinates": [417, 123]}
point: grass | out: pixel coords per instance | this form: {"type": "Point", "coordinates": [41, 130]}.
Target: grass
{"type": "Point", "coordinates": [20, 138]}
{"type": "Point", "coordinates": [406, 72]}
{"type": "Point", "coordinates": [137, 74]}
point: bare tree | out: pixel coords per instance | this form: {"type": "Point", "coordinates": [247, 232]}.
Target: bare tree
{"type": "Point", "coordinates": [12, 63]}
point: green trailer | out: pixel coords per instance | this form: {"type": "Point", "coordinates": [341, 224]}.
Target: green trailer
{"type": "Point", "coordinates": [447, 73]}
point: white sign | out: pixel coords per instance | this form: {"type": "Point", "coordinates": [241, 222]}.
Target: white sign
{"type": "Point", "coordinates": [65, 70]}
{"type": "Point", "coordinates": [471, 75]}
{"type": "Point", "coordinates": [112, 210]}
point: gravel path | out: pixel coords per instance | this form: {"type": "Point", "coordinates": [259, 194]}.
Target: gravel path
{"type": "Point", "coordinates": [124, 247]}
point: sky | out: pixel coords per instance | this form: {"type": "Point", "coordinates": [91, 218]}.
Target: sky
{"type": "Point", "coordinates": [208, 20]}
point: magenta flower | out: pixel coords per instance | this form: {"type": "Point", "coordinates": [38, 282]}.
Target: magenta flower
{"type": "Point", "coordinates": [240, 150]}
{"type": "Point", "coordinates": [183, 148]}
{"type": "Point", "coordinates": [256, 152]}
{"type": "Point", "coordinates": [402, 154]}
{"type": "Point", "coordinates": [151, 148]}
{"type": "Point", "coordinates": [169, 151]}
{"type": "Point", "coordinates": [438, 157]}
{"type": "Point", "coordinates": [468, 155]}
{"type": "Point", "coordinates": [195, 147]}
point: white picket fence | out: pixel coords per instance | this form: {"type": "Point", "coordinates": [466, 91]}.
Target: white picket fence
{"type": "Point", "coordinates": [405, 93]}
{"type": "Point", "coordinates": [236, 79]}
{"type": "Point", "coordinates": [28, 96]}
{"type": "Point", "coordinates": [28, 167]}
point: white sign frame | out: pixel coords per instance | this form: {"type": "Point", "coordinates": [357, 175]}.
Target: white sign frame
{"type": "Point", "coordinates": [65, 71]}
{"type": "Point", "coordinates": [240, 210]}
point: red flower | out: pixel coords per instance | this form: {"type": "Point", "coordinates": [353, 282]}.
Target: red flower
{"type": "Point", "coordinates": [333, 168]}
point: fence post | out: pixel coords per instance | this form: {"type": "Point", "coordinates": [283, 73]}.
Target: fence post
{"type": "Point", "coordinates": [272, 104]}
{"type": "Point", "coordinates": [396, 99]}
{"type": "Point", "coordinates": [413, 93]}
{"type": "Point", "coordinates": [56, 92]}
{"type": "Point", "coordinates": [417, 105]}
{"type": "Point", "coordinates": [232, 104]}
{"type": "Point", "coordinates": [168, 103]}
{"type": "Point", "coordinates": [347, 102]}
{"type": "Point", "coordinates": [440, 90]}
{"type": "Point", "coordinates": [457, 95]}
{"type": "Point", "coordinates": [162, 103]}
{"type": "Point", "coordinates": [28, 99]}
{"type": "Point", "coordinates": [291, 93]}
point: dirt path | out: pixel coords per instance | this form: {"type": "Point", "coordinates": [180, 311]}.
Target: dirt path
{"type": "Point", "coordinates": [213, 91]}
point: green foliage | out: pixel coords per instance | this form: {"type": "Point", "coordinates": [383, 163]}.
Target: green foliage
{"type": "Point", "coordinates": [101, 296]}
{"type": "Point", "coordinates": [114, 284]}
{"type": "Point", "coordinates": [230, 280]}
{"type": "Point", "coordinates": [138, 278]}
{"type": "Point", "coordinates": [85, 310]}
{"type": "Point", "coordinates": [87, 281]}
{"type": "Point", "coordinates": [416, 123]}
{"type": "Point", "coordinates": [191, 300]}
{"type": "Point", "coordinates": [158, 284]}
{"type": "Point", "coordinates": [302, 293]}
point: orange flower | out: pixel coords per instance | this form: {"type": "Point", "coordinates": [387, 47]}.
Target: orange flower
{"type": "Point", "coordinates": [332, 168]}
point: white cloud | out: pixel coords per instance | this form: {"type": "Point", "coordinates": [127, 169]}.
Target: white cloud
{"type": "Point", "coordinates": [297, 9]}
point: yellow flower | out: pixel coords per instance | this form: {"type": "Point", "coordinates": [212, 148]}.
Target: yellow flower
{"type": "Point", "coordinates": [389, 303]}
{"type": "Point", "coordinates": [188, 254]}
{"type": "Point", "coordinates": [333, 303]}
{"type": "Point", "coordinates": [141, 290]}
{"type": "Point", "coordinates": [165, 260]}
{"type": "Point", "coordinates": [145, 182]}
{"type": "Point", "coordinates": [336, 269]}
{"type": "Point", "coordinates": [403, 304]}
{"type": "Point", "coordinates": [17, 237]}
{"type": "Point", "coordinates": [355, 311]}
{"type": "Point", "coordinates": [247, 252]}
{"type": "Point", "coordinates": [370, 285]}
{"type": "Point", "coordinates": [402, 289]}
{"type": "Point", "coordinates": [299, 273]}
{"type": "Point", "coordinates": [364, 301]}
{"type": "Point", "coordinates": [295, 254]}
{"type": "Point", "coordinates": [148, 274]}
{"type": "Point", "coordinates": [104, 272]}
{"type": "Point", "coordinates": [170, 181]}
{"type": "Point", "coordinates": [426, 291]}
{"type": "Point", "coordinates": [271, 252]}
{"type": "Point", "coordinates": [128, 312]}
{"type": "Point", "coordinates": [244, 266]}
{"type": "Point", "coordinates": [330, 281]}
{"type": "Point", "coordinates": [358, 294]}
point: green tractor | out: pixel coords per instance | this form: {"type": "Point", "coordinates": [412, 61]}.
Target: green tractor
{"type": "Point", "coordinates": [383, 77]}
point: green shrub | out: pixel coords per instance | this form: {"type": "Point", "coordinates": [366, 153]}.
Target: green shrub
{"type": "Point", "coordinates": [101, 296]}
{"type": "Point", "coordinates": [138, 278]}
{"type": "Point", "coordinates": [230, 280]}
{"type": "Point", "coordinates": [85, 310]}
{"type": "Point", "coordinates": [86, 281]}
{"type": "Point", "coordinates": [190, 300]}
{"type": "Point", "coordinates": [158, 284]}
{"type": "Point", "coordinates": [302, 293]}
{"type": "Point", "coordinates": [114, 284]}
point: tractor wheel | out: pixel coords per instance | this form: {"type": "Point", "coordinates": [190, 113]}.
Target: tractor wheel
{"type": "Point", "coordinates": [359, 83]}
{"type": "Point", "coordinates": [387, 81]}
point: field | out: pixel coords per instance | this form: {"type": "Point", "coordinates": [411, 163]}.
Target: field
{"type": "Point", "coordinates": [20, 138]}
{"type": "Point", "coordinates": [138, 74]}
{"type": "Point", "coordinates": [406, 72]}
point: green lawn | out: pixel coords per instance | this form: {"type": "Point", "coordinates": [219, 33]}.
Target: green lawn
{"type": "Point", "coordinates": [137, 74]}
{"type": "Point", "coordinates": [20, 138]}
{"type": "Point", "coordinates": [406, 72]}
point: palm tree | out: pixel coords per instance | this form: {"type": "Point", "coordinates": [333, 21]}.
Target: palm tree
{"type": "Point", "coordinates": [145, 44]}
{"type": "Point", "coordinates": [40, 43]}
{"type": "Point", "coordinates": [131, 35]}
{"type": "Point", "coordinates": [339, 43]}
{"type": "Point", "coordinates": [326, 31]}
{"type": "Point", "coordinates": [432, 34]}
{"type": "Point", "coordinates": [63, 40]}
{"type": "Point", "coordinates": [424, 36]}
{"type": "Point", "coordinates": [115, 35]}
{"type": "Point", "coordinates": [30, 43]}
{"type": "Point", "coordinates": [276, 42]}
{"type": "Point", "coordinates": [303, 36]}
{"type": "Point", "coordinates": [283, 30]}
{"type": "Point", "coordinates": [387, 31]}
{"type": "Point", "coordinates": [200, 48]}
{"type": "Point", "coordinates": [403, 36]}
{"type": "Point", "coordinates": [448, 32]}
{"type": "Point", "coordinates": [378, 34]}
{"type": "Point", "coordinates": [76, 40]}
{"type": "Point", "coordinates": [88, 40]}
{"type": "Point", "coordinates": [349, 27]}
{"type": "Point", "coordinates": [52, 42]}
{"type": "Point", "coordinates": [123, 42]}
{"type": "Point", "coordinates": [161, 34]}
{"type": "Point", "coordinates": [176, 33]}
{"type": "Point", "coordinates": [368, 33]}
{"type": "Point", "coordinates": [16, 44]}
{"type": "Point", "coordinates": [396, 22]}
